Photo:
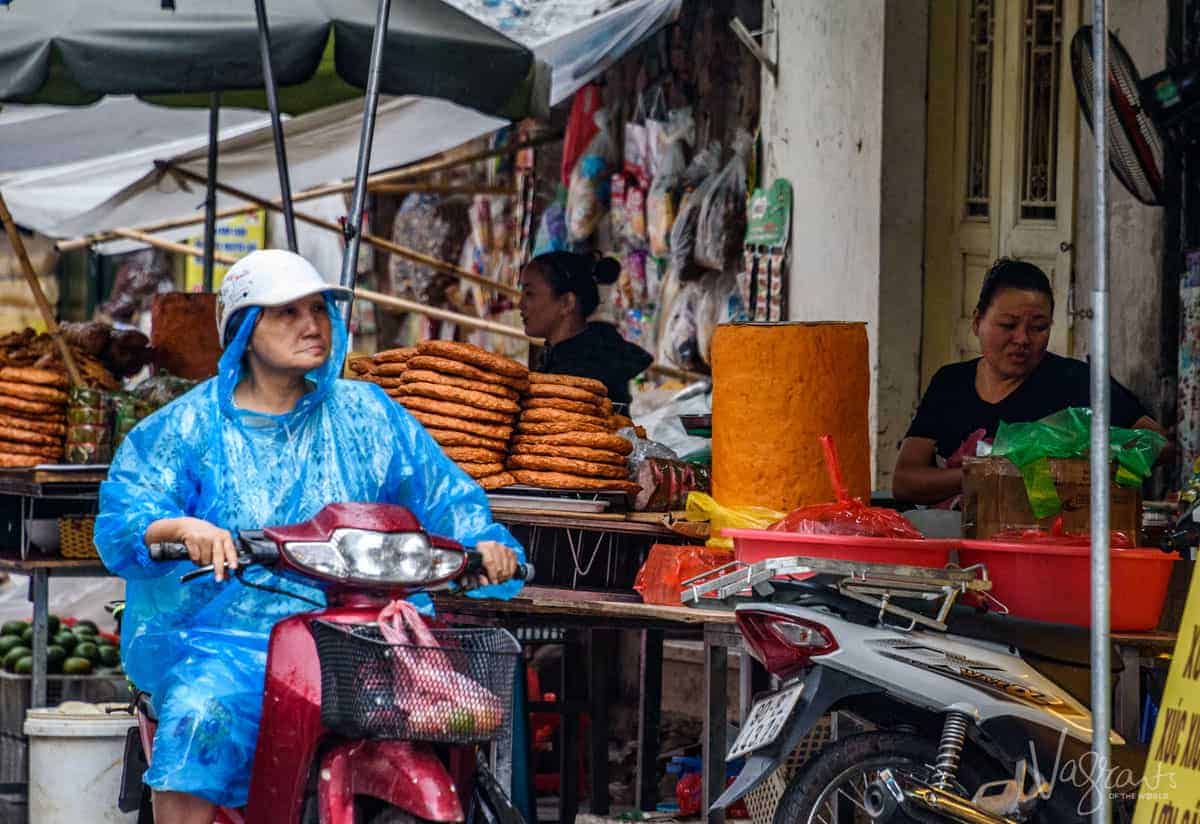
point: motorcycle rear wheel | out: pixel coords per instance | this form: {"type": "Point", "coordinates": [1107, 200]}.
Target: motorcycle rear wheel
{"type": "Point", "coordinates": [830, 788]}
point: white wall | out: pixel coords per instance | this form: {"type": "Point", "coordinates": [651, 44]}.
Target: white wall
{"type": "Point", "coordinates": [1136, 235]}
{"type": "Point", "coordinates": [824, 124]}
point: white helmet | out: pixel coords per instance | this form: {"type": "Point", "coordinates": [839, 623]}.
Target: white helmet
{"type": "Point", "coordinates": [269, 277]}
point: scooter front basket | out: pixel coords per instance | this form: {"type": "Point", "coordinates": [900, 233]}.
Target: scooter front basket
{"type": "Point", "coordinates": [458, 692]}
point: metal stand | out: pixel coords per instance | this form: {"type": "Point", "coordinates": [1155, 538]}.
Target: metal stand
{"type": "Point", "coordinates": [285, 186]}
{"type": "Point", "coordinates": [210, 190]}
{"type": "Point", "coordinates": [353, 228]}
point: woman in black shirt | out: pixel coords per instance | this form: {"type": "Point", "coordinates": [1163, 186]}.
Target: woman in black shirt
{"type": "Point", "coordinates": [1016, 381]}
{"type": "Point", "coordinates": [559, 291]}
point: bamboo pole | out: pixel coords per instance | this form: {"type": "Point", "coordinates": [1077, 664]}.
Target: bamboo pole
{"type": "Point", "coordinates": [374, 240]}
{"type": "Point", "coordinates": [39, 297]}
{"type": "Point", "coordinates": [382, 178]}
{"type": "Point", "coordinates": [381, 299]}
{"type": "Point", "coordinates": [172, 246]}
{"type": "Point", "coordinates": [492, 326]}
{"type": "Point", "coordinates": [85, 241]}
{"type": "Point", "coordinates": [441, 189]}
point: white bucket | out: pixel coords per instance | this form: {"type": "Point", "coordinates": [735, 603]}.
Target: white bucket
{"type": "Point", "coordinates": [76, 754]}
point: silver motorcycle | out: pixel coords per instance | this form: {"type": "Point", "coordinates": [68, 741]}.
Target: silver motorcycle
{"type": "Point", "coordinates": [961, 714]}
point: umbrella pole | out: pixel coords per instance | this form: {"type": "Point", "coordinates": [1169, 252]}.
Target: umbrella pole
{"type": "Point", "coordinates": [1100, 470]}
{"type": "Point", "coordinates": [285, 186]}
{"type": "Point", "coordinates": [39, 297]}
{"type": "Point", "coordinates": [353, 228]}
{"type": "Point", "coordinates": [210, 194]}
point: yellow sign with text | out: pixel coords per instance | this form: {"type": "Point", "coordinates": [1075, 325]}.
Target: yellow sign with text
{"type": "Point", "coordinates": [236, 236]}
{"type": "Point", "coordinates": [1170, 791]}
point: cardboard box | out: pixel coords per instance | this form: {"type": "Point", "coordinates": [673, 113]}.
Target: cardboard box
{"type": "Point", "coordinates": [994, 499]}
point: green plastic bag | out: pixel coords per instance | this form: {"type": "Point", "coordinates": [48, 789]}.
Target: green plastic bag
{"type": "Point", "coordinates": [1067, 434]}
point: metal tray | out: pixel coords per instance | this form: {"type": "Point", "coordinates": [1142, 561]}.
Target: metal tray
{"type": "Point", "coordinates": [544, 502]}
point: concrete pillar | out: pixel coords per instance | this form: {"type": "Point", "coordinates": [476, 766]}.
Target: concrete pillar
{"type": "Point", "coordinates": [832, 124]}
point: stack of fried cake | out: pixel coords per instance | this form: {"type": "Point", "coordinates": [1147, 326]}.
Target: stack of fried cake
{"type": "Point", "coordinates": [33, 405]}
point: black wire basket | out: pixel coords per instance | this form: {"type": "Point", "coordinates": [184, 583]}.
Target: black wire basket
{"type": "Point", "coordinates": [460, 692]}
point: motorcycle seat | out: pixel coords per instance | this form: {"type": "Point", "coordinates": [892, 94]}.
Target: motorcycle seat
{"type": "Point", "coordinates": [1059, 643]}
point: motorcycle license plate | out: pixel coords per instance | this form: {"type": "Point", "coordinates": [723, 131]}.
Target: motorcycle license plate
{"type": "Point", "coordinates": [765, 721]}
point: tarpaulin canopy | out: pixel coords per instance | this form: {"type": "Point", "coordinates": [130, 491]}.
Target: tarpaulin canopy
{"type": "Point", "coordinates": [125, 189]}
{"type": "Point", "coordinates": [71, 52]}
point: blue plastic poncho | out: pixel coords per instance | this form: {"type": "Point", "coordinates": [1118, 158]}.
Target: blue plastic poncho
{"type": "Point", "coordinates": [200, 648]}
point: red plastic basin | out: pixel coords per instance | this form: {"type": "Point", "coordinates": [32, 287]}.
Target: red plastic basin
{"type": "Point", "coordinates": [1052, 582]}
{"type": "Point", "coordinates": [750, 545]}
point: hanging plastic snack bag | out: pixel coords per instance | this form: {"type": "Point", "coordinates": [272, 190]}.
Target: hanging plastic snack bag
{"type": "Point", "coordinates": [587, 195]}
{"type": "Point", "coordinates": [656, 133]}
{"type": "Point", "coordinates": [637, 146]}
{"type": "Point", "coordinates": [697, 181]}
{"type": "Point", "coordinates": [552, 230]}
{"type": "Point", "coordinates": [581, 127]}
{"type": "Point", "coordinates": [720, 303]}
{"type": "Point", "coordinates": [635, 265]}
{"type": "Point", "coordinates": [635, 216]}
{"type": "Point", "coordinates": [616, 212]}
{"type": "Point", "coordinates": [679, 344]}
{"type": "Point", "coordinates": [661, 201]}
{"type": "Point", "coordinates": [722, 223]}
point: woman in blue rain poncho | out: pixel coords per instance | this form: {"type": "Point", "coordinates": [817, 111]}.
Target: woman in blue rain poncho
{"type": "Point", "coordinates": [270, 440]}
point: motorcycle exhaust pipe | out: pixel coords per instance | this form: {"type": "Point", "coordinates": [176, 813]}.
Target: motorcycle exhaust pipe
{"type": "Point", "coordinates": [884, 797]}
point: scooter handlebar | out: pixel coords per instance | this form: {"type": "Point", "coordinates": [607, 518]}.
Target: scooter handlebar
{"type": "Point", "coordinates": [169, 551]}
{"type": "Point", "coordinates": [524, 571]}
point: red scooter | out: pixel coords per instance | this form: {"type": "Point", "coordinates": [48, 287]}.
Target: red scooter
{"type": "Point", "coordinates": [350, 720]}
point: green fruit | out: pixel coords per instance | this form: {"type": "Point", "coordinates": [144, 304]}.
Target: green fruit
{"type": "Point", "coordinates": [14, 628]}
{"type": "Point", "coordinates": [27, 635]}
{"type": "Point", "coordinates": [110, 656]}
{"type": "Point", "coordinates": [24, 666]}
{"type": "Point", "coordinates": [77, 666]}
{"type": "Point", "coordinates": [55, 654]}
{"type": "Point", "coordinates": [14, 655]}
{"type": "Point", "coordinates": [54, 625]}
{"type": "Point", "coordinates": [8, 642]}
{"type": "Point", "coordinates": [88, 627]}
{"type": "Point", "coordinates": [88, 650]}
{"type": "Point", "coordinates": [65, 639]}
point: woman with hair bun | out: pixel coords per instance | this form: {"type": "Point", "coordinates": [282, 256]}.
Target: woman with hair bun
{"type": "Point", "coordinates": [1016, 380]}
{"type": "Point", "coordinates": [559, 292]}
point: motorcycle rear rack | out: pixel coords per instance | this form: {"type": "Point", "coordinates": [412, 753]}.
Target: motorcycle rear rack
{"type": "Point", "coordinates": [876, 585]}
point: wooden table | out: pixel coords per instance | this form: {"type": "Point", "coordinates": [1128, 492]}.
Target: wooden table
{"type": "Point", "coordinates": [1134, 648]}
{"type": "Point", "coordinates": [593, 550]}
{"type": "Point", "coordinates": [599, 615]}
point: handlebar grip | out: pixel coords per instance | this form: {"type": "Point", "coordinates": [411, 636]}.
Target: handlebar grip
{"type": "Point", "coordinates": [169, 551]}
{"type": "Point", "coordinates": [524, 572]}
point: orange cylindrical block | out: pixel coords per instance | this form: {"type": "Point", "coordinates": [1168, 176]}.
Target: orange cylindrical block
{"type": "Point", "coordinates": [777, 388]}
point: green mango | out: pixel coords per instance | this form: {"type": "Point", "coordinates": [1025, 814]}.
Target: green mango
{"type": "Point", "coordinates": [88, 650]}
{"type": "Point", "coordinates": [65, 639]}
{"type": "Point", "coordinates": [24, 666]}
{"type": "Point", "coordinates": [85, 626]}
{"type": "Point", "coordinates": [8, 642]}
{"type": "Point", "coordinates": [55, 624]}
{"type": "Point", "coordinates": [14, 628]}
{"type": "Point", "coordinates": [14, 655]}
{"type": "Point", "coordinates": [110, 656]}
{"type": "Point", "coordinates": [55, 655]}
{"type": "Point", "coordinates": [27, 636]}
{"type": "Point", "coordinates": [77, 666]}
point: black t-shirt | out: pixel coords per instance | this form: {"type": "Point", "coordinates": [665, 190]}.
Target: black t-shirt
{"type": "Point", "coordinates": [951, 409]}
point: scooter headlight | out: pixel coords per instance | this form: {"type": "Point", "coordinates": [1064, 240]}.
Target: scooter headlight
{"type": "Point", "coordinates": [400, 558]}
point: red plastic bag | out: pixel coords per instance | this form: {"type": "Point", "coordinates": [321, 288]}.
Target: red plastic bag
{"type": "Point", "coordinates": [581, 127]}
{"type": "Point", "coordinates": [437, 699]}
{"type": "Point", "coordinates": [660, 580]}
{"type": "Point", "coordinates": [846, 515]}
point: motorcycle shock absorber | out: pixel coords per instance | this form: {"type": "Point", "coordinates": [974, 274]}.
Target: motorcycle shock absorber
{"type": "Point", "coordinates": [954, 736]}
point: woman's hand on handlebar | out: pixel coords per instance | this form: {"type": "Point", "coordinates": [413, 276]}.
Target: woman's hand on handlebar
{"type": "Point", "coordinates": [206, 543]}
{"type": "Point", "coordinates": [499, 562]}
